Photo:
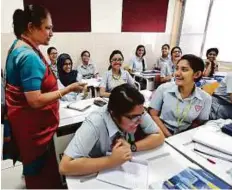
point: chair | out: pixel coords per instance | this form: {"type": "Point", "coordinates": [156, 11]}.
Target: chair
{"type": "Point", "coordinates": [210, 88]}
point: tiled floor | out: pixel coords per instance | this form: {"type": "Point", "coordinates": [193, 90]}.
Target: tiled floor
{"type": "Point", "coordinates": [11, 176]}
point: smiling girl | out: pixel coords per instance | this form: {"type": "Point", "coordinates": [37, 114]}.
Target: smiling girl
{"type": "Point", "coordinates": [106, 130]}
{"type": "Point", "coordinates": [168, 68]}
{"type": "Point", "coordinates": [175, 106]}
{"type": "Point", "coordinates": [115, 75]}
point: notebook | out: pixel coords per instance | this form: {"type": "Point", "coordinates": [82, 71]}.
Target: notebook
{"type": "Point", "coordinates": [129, 175]}
{"type": "Point", "coordinates": [214, 139]}
{"type": "Point", "coordinates": [81, 105]}
{"type": "Point", "coordinates": [192, 178]}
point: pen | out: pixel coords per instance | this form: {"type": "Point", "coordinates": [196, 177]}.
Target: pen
{"type": "Point", "coordinates": [208, 159]}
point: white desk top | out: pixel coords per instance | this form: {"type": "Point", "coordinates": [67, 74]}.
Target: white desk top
{"type": "Point", "coordinates": [69, 116]}
{"type": "Point", "coordinates": [174, 163]}
{"type": "Point", "coordinates": [183, 143]}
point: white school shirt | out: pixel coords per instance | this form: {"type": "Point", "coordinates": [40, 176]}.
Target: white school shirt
{"type": "Point", "coordinates": [167, 100]}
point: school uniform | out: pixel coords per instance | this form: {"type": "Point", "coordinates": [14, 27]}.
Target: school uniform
{"type": "Point", "coordinates": [54, 69]}
{"type": "Point", "coordinates": [136, 64]}
{"type": "Point", "coordinates": [87, 71]}
{"type": "Point", "coordinates": [161, 61]}
{"type": "Point", "coordinates": [177, 113]}
{"type": "Point", "coordinates": [222, 105]}
{"type": "Point", "coordinates": [94, 138]}
{"type": "Point", "coordinates": [167, 69]}
{"type": "Point", "coordinates": [109, 82]}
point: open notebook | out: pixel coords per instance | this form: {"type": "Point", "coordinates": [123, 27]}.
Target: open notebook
{"type": "Point", "coordinates": [214, 139]}
{"type": "Point", "coordinates": [129, 175]}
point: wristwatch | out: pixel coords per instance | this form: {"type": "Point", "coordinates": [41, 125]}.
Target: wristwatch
{"type": "Point", "coordinates": [133, 147]}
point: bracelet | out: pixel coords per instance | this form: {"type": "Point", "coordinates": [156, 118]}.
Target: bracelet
{"type": "Point", "coordinates": [60, 94]}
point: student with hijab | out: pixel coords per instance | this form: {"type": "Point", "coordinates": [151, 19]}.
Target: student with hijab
{"type": "Point", "coordinates": [68, 76]}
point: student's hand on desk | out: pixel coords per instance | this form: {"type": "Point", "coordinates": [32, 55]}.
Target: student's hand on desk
{"type": "Point", "coordinates": [120, 153]}
{"type": "Point", "coordinates": [77, 87]}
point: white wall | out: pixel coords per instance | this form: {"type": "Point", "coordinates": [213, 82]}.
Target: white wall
{"type": "Point", "coordinates": [100, 44]}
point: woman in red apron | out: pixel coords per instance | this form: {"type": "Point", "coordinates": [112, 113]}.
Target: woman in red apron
{"type": "Point", "coordinates": [32, 98]}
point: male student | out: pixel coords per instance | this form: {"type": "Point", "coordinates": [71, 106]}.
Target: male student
{"type": "Point", "coordinates": [107, 130]}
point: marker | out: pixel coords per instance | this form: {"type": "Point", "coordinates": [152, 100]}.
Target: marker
{"type": "Point", "coordinates": [208, 159]}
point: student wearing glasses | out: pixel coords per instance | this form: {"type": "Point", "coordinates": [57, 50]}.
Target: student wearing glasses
{"type": "Point", "coordinates": [115, 75]}
{"type": "Point", "coordinates": [87, 69]}
{"type": "Point", "coordinates": [211, 62]}
{"type": "Point", "coordinates": [176, 107]}
{"type": "Point", "coordinates": [52, 55]}
{"type": "Point", "coordinates": [68, 76]}
{"type": "Point", "coordinates": [109, 130]}
{"type": "Point", "coordinates": [168, 68]}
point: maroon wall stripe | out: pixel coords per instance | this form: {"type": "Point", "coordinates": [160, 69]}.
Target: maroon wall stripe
{"type": "Point", "coordinates": [68, 15]}
{"type": "Point", "coordinates": [144, 15]}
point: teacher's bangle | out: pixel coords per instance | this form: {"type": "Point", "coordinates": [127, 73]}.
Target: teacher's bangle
{"type": "Point", "coordinates": [60, 94]}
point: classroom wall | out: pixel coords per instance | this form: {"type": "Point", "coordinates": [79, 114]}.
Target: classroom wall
{"type": "Point", "coordinates": [100, 44]}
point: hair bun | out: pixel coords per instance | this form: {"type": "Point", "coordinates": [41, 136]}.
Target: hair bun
{"type": "Point", "coordinates": [18, 16]}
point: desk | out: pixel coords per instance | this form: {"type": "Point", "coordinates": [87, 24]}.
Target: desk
{"type": "Point", "coordinates": [183, 143]}
{"type": "Point", "coordinates": [174, 163]}
{"type": "Point", "coordinates": [149, 79]}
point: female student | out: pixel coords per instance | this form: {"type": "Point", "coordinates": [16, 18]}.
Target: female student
{"type": "Point", "coordinates": [177, 106]}
{"type": "Point", "coordinates": [115, 75]}
{"type": "Point", "coordinates": [222, 100]}
{"type": "Point", "coordinates": [168, 68]}
{"type": "Point", "coordinates": [164, 57]}
{"type": "Point", "coordinates": [138, 62]}
{"type": "Point", "coordinates": [32, 98]}
{"type": "Point", "coordinates": [211, 62]}
{"type": "Point", "coordinates": [108, 130]}
{"type": "Point", "coordinates": [87, 69]}
{"type": "Point", "coordinates": [68, 76]}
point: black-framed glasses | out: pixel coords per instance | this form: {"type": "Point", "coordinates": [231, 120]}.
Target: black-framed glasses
{"type": "Point", "coordinates": [67, 64]}
{"type": "Point", "coordinates": [53, 53]}
{"type": "Point", "coordinates": [176, 51]}
{"type": "Point", "coordinates": [134, 118]}
{"type": "Point", "coordinates": [119, 60]}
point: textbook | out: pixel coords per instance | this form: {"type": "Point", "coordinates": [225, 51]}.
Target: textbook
{"type": "Point", "coordinates": [191, 178]}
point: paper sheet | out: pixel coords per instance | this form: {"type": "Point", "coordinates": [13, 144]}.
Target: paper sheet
{"type": "Point", "coordinates": [129, 175]}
